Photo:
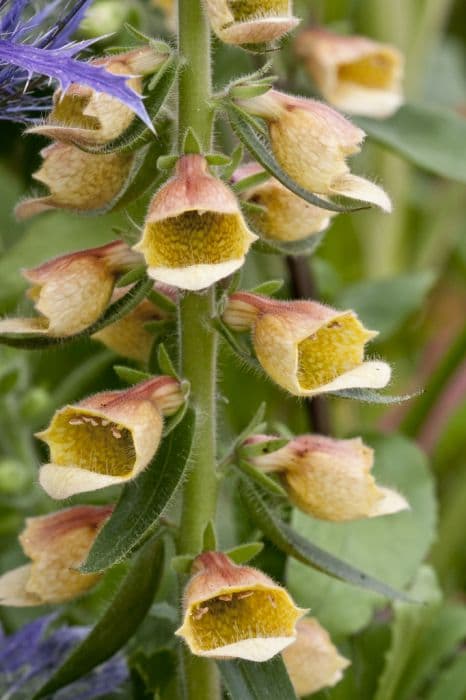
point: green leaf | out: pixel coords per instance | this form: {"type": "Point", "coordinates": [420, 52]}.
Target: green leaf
{"type": "Point", "coordinates": [246, 680]}
{"type": "Point", "coordinates": [307, 246]}
{"type": "Point", "coordinates": [228, 336]}
{"type": "Point", "coordinates": [371, 396]}
{"type": "Point", "coordinates": [165, 362]}
{"type": "Point", "coordinates": [137, 134]}
{"type": "Point", "coordinates": [245, 552]}
{"type": "Point", "coordinates": [210, 538]}
{"type": "Point", "coordinates": [217, 159]}
{"type": "Point", "coordinates": [390, 548]}
{"type": "Point", "coordinates": [130, 375]}
{"type": "Point", "coordinates": [265, 447]}
{"type": "Point", "coordinates": [430, 137]}
{"type": "Point", "coordinates": [259, 478]}
{"type": "Point", "coordinates": [182, 563]}
{"type": "Point", "coordinates": [191, 143]}
{"type": "Point", "coordinates": [132, 276]}
{"type": "Point", "coordinates": [261, 153]}
{"type": "Point", "coordinates": [167, 162]}
{"type": "Point", "coordinates": [236, 158]}
{"type": "Point", "coordinates": [113, 313]}
{"type": "Point", "coordinates": [118, 624]}
{"type": "Point", "coordinates": [385, 304]}
{"type": "Point", "coordinates": [296, 546]}
{"type": "Point", "coordinates": [268, 288]}
{"type": "Point", "coordinates": [143, 501]}
{"type": "Point", "coordinates": [451, 683]}
{"type": "Point", "coordinates": [408, 623]}
{"type": "Point", "coordinates": [251, 181]}
{"type": "Point", "coordinates": [162, 301]}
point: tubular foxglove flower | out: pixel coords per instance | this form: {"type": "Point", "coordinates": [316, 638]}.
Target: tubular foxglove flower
{"type": "Point", "coordinates": [72, 291]}
{"type": "Point", "coordinates": [83, 116]}
{"type": "Point", "coordinates": [194, 234]}
{"type": "Point", "coordinates": [312, 661]}
{"type": "Point", "coordinates": [311, 142]}
{"type": "Point", "coordinates": [35, 47]}
{"type": "Point", "coordinates": [128, 336]}
{"type": "Point", "coordinates": [285, 216]}
{"type": "Point", "coordinates": [330, 479]}
{"type": "Point", "coordinates": [108, 438]}
{"type": "Point", "coordinates": [235, 611]}
{"type": "Point", "coordinates": [78, 181]}
{"type": "Point", "coordinates": [305, 347]}
{"type": "Point", "coordinates": [57, 544]}
{"type": "Point", "coordinates": [354, 73]}
{"type": "Point", "coordinates": [250, 21]}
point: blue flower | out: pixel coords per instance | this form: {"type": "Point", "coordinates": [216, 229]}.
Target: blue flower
{"type": "Point", "coordinates": [35, 48]}
{"type": "Point", "coordinates": [30, 656]}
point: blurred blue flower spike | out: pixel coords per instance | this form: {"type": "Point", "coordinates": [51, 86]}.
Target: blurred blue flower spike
{"type": "Point", "coordinates": [30, 656]}
{"type": "Point", "coordinates": [35, 48]}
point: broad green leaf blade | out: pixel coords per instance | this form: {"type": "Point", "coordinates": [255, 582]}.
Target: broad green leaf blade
{"type": "Point", "coordinates": [119, 308]}
{"type": "Point", "coordinates": [430, 137]}
{"type": "Point", "coordinates": [371, 396]}
{"type": "Point", "coordinates": [143, 501]}
{"type": "Point", "coordinates": [389, 548]}
{"type": "Point", "coordinates": [118, 624]}
{"type": "Point", "coordinates": [246, 680]}
{"type": "Point", "coordinates": [261, 153]}
{"type": "Point", "coordinates": [290, 542]}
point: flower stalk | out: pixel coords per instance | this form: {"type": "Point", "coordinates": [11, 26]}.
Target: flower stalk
{"type": "Point", "coordinates": [198, 343]}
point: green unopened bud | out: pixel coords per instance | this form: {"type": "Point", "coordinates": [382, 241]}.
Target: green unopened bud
{"type": "Point", "coordinates": [13, 476]}
{"type": "Point", "coordinates": [35, 402]}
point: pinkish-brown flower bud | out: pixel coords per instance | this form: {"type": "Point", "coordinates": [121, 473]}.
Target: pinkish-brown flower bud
{"type": "Point", "coordinates": [85, 117]}
{"type": "Point", "coordinates": [311, 142]}
{"type": "Point", "coordinates": [330, 479]}
{"type": "Point", "coordinates": [129, 336]}
{"type": "Point", "coordinates": [305, 347]}
{"type": "Point", "coordinates": [78, 181]}
{"type": "Point", "coordinates": [108, 438]}
{"type": "Point", "coordinates": [57, 545]}
{"type": "Point", "coordinates": [312, 661]}
{"type": "Point", "coordinates": [71, 291]}
{"type": "Point", "coordinates": [285, 216]}
{"type": "Point", "coordinates": [194, 233]}
{"type": "Point", "coordinates": [250, 21]}
{"type": "Point", "coordinates": [235, 611]}
{"type": "Point", "coordinates": [354, 73]}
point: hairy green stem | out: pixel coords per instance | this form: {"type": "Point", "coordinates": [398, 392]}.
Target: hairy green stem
{"type": "Point", "coordinates": [198, 341]}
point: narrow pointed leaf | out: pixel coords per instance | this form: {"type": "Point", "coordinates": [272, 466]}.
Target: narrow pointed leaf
{"type": "Point", "coordinates": [262, 154]}
{"type": "Point", "coordinates": [268, 288]}
{"type": "Point", "coordinates": [246, 680]}
{"type": "Point", "coordinates": [371, 396]}
{"type": "Point", "coordinates": [307, 246]}
{"type": "Point", "coordinates": [119, 308]}
{"type": "Point", "coordinates": [286, 539]}
{"type": "Point", "coordinates": [130, 375]}
{"type": "Point", "coordinates": [119, 622]}
{"type": "Point", "coordinates": [260, 478]}
{"type": "Point", "coordinates": [143, 501]}
{"type": "Point", "coordinates": [245, 552]}
{"type": "Point", "coordinates": [132, 276]}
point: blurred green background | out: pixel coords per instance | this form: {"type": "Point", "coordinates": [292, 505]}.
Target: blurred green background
{"type": "Point", "coordinates": [404, 274]}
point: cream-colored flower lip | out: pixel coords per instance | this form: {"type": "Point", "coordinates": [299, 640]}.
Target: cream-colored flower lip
{"type": "Point", "coordinates": [194, 233]}
{"type": "Point", "coordinates": [235, 611]}
{"type": "Point", "coordinates": [108, 438]}
{"type": "Point", "coordinates": [354, 73]}
{"type": "Point", "coordinates": [56, 544]}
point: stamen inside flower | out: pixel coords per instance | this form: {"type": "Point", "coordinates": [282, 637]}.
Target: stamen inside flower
{"type": "Point", "coordinates": [195, 238]}
{"type": "Point", "coordinates": [242, 614]}
{"type": "Point", "coordinates": [333, 350]}
{"type": "Point", "coordinates": [374, 71]}
{"type": "Point", "coordinates": [83, 439]}
{"type": "Point", "coordinates": [243, 10]}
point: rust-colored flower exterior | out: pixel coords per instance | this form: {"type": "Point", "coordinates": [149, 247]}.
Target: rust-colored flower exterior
{"type": "Point", "coordinates": [353, 73]}
{"type": "Point", "coordinates": [108, 438]}
{"type": "Point", "coordinates": [285, 216]}
{"type": "Point", "coordinates": [194, 234]}
{"type": "Point", "coordinates": [78, 181]}
{"type": "Point", "coordinates": [72, 291]}
{"type": "Point", "coordinates": [250, 21]}
{"type": "Point", "coordinates": [311, 142]}
{"type": "Point", "coordinates": [330, 479]}
{"type": "Point", "coordinates": [57, 544]}
{"type": "Point", "coordinates": [305, 347]}
{"type": "Point", "coordinates": [312, 661]}
{"type": "Point", "coordinates": [233, 611]}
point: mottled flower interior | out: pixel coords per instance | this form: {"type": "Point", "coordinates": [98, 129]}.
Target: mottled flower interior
{"type": "Point", "coordinates": [243, 10]}
{"type": "Point", "coordinates": [242, 613]}
{"type": "Point", "coordinates": [333, 350]}
{"type": "Point", "coordinates": [195, 238]}
{"type": "Point", "coordinates": [373, 71]}
{"type": "Point", "coordinates": [82, 438]}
